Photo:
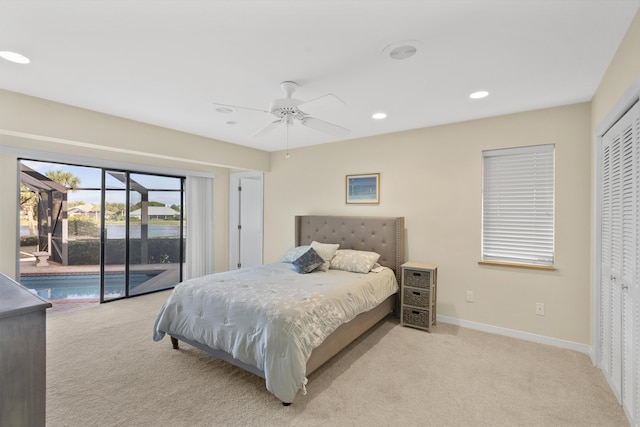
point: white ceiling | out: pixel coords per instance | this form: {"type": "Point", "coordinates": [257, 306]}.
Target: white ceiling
{"type": "Point", "coordinates": [166, 62]}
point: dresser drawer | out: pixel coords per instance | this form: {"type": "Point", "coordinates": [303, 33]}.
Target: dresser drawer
{"type": "Point", "coordinates": [415, 317]}
{"type": "Point", "coordinates": [415, 297]}
{"type": "Point", "coordinates": [417, 278]}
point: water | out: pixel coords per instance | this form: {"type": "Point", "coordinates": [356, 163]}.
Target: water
{"type": "Point", "coordinates": [80, 286]}
{"type": "Point", "coordinates": [117, 231]}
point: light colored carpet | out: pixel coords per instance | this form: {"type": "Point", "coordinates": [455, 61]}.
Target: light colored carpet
{"type": "Point", "coordinates": [104, 369]}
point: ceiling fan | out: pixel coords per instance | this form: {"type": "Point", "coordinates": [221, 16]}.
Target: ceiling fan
{"type": "Point", "coordinates": [287, 110]}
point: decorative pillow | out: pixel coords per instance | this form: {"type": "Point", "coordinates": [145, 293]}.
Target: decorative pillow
{"type": "Point", "coordinates": [308, 261]}
{"type": "Point", "coordinates": [294, 253]}
{"type": "Point", "coordinates": [326, 251]}
{"type": "Point", "coordinates": [354, 261]}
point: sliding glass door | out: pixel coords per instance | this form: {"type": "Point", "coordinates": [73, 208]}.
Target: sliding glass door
{"type": "Point", "coordinates": [157, 231]}
{"type": "Point", "coordinates": [143, 233]}
{"type": "Point", "coordinates": [105, 234]}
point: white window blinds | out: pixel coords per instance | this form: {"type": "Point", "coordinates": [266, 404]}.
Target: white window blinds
{"type": "Point", "coordinates": [518, 205]}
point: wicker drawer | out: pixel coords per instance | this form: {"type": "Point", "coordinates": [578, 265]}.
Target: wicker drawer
{"type": "Point", "coordinates": [417, 278]}
{"type": "Point", "coordinates": [415, 317]}
{"type": "Point", "coordinates": [415, 297]}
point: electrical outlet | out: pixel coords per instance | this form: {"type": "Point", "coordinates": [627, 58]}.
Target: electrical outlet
{"type": "Point", "coordinates": [469, 296]}
{"type": "Point", "coordinates": [540, 309]}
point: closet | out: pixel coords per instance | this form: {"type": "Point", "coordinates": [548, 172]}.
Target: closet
{"type": "Point", "coordinates": [620, 263]}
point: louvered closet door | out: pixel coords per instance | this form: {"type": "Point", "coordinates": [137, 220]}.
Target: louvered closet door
{"type": "Point", "coordinates": [620, 311]}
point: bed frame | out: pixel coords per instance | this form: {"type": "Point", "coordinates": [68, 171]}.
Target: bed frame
{"type": "Point", "coordinates": [384, 235]}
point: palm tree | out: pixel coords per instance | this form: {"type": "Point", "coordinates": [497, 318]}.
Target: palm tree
{"type": "Point", "coordinates": [29, 199]}
{"type": "Point", "coordinates": [64, 178]}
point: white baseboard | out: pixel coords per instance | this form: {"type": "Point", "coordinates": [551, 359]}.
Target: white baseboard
{"type": "Point", "coordinates": [541, 339]}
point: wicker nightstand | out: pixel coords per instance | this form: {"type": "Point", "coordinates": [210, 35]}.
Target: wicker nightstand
{"type": "Point", "coordinates": [418, 295]}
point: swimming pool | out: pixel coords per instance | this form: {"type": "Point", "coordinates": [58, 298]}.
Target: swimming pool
{"type": "Point", "coordinates": [83, 286]}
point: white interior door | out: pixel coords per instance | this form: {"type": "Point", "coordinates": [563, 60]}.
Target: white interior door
{"type": "Point", "coordinates": [620, 326]}
{"type": "Point", "coordinates": [250, 222]}
{"type": "Point", "coordinates": [628, 279]}
{"type": "Point", "coordinates": [245, 219]}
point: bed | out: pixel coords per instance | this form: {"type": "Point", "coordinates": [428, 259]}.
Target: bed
{"type": "Point", "coordinates": [209, 313]}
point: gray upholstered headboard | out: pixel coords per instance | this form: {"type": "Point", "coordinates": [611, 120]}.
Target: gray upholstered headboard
{"type": "Point", "coordinates": [384, 235]}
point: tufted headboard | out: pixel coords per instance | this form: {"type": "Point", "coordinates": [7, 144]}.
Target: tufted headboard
{"type": "Point", "coordinates": [384, 235]}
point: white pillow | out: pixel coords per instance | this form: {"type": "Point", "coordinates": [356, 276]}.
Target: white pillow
{"type": "Point", "coordinates": [354, 261]}
{"type": "Point", "coordinates": [326, 251]}
{"type": "Point", "coordinates": [294, 253]}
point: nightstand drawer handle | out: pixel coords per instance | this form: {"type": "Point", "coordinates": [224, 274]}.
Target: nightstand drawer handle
{"type": "Point", "coordinates": [416, 293]}
{"type": "Point", "coordinates": [415, 312]}
{"type": "Point", "coordinates": [417, 274]}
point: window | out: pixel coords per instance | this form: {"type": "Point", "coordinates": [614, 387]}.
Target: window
{"type": "Point", "coordinates": [110, 233]}
{"type": "Point", "coordinates": [518, 205]}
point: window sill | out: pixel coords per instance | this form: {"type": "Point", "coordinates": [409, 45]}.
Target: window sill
{"type": "Point", "coordinates": [514, 265]}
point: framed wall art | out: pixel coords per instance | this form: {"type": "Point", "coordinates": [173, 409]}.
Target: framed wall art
{"type": "Point", "coordinates": [363, 189]}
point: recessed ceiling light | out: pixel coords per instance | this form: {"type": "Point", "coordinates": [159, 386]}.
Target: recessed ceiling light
{"type": "Point", "coordinates": [379, 116]}
{"type": "Point", "coordinates": [224, 110]}
{"type": "Point", "coordinates": [401, 50]}
{"type": "Point", "coordinates": [14, 57]}
{"type": "Point", "coordinates": [479, 94]}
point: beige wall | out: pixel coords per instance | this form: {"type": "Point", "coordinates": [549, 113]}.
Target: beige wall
{"type": "Point", "coordinates": [77, 130]}
{"type": "Point", "coordinates": [432, 177]}
{"type": "Point", "coordinates": [45, 130]}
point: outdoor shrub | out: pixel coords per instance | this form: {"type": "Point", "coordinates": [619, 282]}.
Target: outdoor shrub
{"type": "Point", "coordinates": [80, 226]}
{"type": "Point", "coordinates": [160, 251]}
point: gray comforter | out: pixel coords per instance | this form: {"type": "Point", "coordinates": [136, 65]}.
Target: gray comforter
{"type": "Point", "coordinates": [271, 317]}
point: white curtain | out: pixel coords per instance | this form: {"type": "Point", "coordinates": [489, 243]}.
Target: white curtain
{"type": "Point", "coordinates": [199, 210]}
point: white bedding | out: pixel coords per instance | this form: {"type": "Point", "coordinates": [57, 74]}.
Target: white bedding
{"type": "Point", "coordinates": [271, 317]}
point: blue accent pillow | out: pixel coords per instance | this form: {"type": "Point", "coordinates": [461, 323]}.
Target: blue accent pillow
{"type": "Point", "coordinates": [308, 261]}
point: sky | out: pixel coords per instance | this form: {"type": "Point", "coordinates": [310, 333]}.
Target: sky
{"type": "Point", "coordinates": [91, 178]}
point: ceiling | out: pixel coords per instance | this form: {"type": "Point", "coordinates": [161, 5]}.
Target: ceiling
{"type": "Point", "coordinates": [167, 62]}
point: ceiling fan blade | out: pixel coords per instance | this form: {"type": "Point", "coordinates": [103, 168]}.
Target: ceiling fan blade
{"type": "Point", "coordinates": [326, 127]}
{"type": "Point", "coordinates": [268, 128]}
{"type": "Point", "coordinates": [241, 108]}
